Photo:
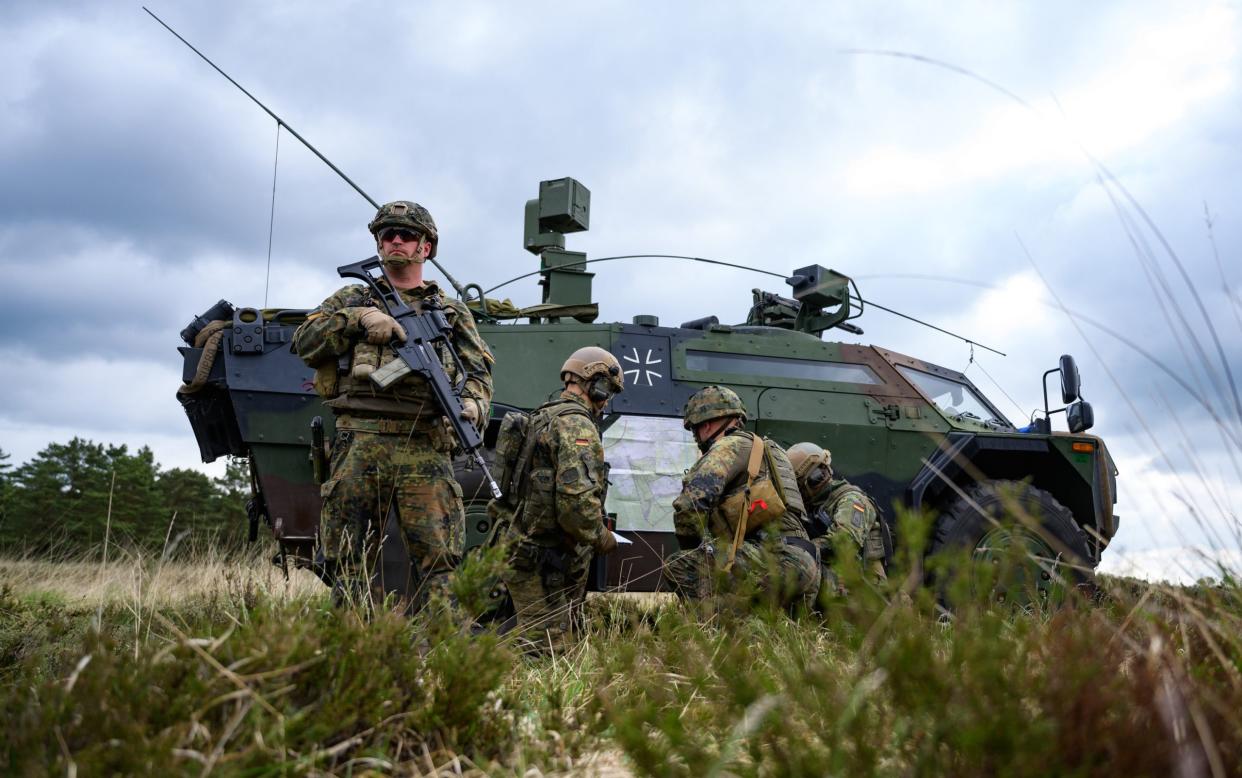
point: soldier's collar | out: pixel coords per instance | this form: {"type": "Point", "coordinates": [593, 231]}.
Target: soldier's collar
{"type": "Point", "coordinates": [428, 289]}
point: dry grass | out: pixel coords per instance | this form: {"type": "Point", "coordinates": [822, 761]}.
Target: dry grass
{"type": "Point", "coordinates": [152, 582]}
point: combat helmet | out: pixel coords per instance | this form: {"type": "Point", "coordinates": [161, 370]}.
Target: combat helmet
{"type": "Point", "coordinates": [403, 213]}
{"type": "Point", "coordinates": [712, 402]}
{"type": "Point", "coordinates": [812, 466]}
{"type": "Point", "coordinates": [591, 365]}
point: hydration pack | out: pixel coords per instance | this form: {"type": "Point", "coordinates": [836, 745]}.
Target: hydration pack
{"type": "Point", "coordinates": [515, 444]}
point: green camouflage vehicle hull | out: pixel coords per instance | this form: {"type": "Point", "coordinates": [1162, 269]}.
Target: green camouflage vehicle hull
{"type": "Point", "coordinates": [886, 433]}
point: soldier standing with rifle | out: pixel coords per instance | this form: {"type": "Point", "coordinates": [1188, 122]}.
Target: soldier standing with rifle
{"type": "Point", "coordinates": [393, 445]}
{"type": "Point", "coordinates": [554, 492]}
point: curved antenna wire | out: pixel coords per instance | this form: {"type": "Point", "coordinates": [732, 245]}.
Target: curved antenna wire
{"type": "Point", "coordinates": [753, 270]}
{"type": "Point", "coordinates": [643, 256]}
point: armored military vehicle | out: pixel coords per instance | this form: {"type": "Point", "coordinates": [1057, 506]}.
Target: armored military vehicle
{"type": "Point", "coordinates": [911, 433]}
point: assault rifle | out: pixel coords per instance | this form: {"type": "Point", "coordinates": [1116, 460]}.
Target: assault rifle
{"type": "Point", "coordinates": [424, 331]}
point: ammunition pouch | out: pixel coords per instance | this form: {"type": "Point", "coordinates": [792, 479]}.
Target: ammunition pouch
{"type": "Point", "coordinates": [327, 380]}
{"type": "Point", "coordinates": [874, 548]}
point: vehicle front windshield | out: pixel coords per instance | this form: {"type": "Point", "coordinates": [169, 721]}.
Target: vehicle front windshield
{"type": "Point", "coordinates": [954, 398]}
{"type": "Point", "coordinates": [649, 455]}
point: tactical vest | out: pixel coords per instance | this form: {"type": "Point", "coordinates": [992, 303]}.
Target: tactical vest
{"type": "Point", "coordinates": [409, 398]}
{"type": "Point", "coordinates": [791, 524]}
{"type": "Point", "coordinates": [528, 469]}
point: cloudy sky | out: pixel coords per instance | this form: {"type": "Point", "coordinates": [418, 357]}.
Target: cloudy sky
{"type": "Point", "coordinates": [1081, 169]}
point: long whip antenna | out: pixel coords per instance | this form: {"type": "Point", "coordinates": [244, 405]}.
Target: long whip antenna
{"type": "Point", "coordinates": [281, 122]}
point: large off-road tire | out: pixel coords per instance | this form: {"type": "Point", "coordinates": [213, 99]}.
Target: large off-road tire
{"type": "Point", "coordinates": [1036, 551]}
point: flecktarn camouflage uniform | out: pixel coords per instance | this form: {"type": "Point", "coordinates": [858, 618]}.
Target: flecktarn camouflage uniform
{"type": "Point", "coordinates": [392, 450]}
{"type": "Point", "coordinates": [558, 523]}
{"type": "Point", "coordinates": [776, 560]}
{"type": "Point", "coordinates": [842, 519]}
{"type": "Point", "coordinates": [842, 515]}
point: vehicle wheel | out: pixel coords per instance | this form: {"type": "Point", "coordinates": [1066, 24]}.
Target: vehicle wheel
{"type": "Point", "coordinates": [1024, 546]}
{"type": "Point", "coordinates": [478, 530]}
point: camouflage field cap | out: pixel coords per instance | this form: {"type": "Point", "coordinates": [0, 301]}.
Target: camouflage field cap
{"type": "Point", "coordinates": [590, 362]}
{"type": "Point", "coordinates": [712, 402]}
{"type": "Point", "coordinates": [804, 456]}
{"type": "Point", "coordinates": [403, 213]}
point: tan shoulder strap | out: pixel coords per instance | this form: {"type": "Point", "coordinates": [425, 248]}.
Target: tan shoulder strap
{"type": "Point", "coordinates": [757, 448]}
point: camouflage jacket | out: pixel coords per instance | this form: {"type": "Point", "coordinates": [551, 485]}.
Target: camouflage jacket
{"type": "Point", "coordinates": [720, 473]}
{"type": "Point", "coordinates": [564, 499]}
{"type": "Point", "coordinates": [333, 331]}
{"type": "Point", "coordinates": [843, 507]}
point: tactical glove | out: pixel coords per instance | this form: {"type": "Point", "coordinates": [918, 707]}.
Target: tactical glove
{"type": "Point", "coordinates": [607, 543]}
{"type": "Point", "coordinates": [381, 328]}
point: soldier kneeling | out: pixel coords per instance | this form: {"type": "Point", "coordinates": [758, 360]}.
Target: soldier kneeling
{"type": "Point", "coordinates": [839, 515]}
{"type": "Point", "coordinates": [739, 517]}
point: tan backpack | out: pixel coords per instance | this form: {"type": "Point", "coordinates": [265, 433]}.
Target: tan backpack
{"type": "Point", "coordinates": [761, 502]}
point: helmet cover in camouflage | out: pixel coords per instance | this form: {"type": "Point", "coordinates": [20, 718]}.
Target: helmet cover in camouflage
{"type": "Point", "coordinates": [403, 213]}
{"type": "Point", "coordinates": [712, 402]}
{"type": "Point", "coordinates": [591, 362]}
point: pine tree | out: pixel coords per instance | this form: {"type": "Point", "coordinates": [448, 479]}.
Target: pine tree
{"type": "Point", "coordinates": [6, 487]}
{"type": "Point", "coordinates": [191, 497]}
{"type": "Point", "coordinates": [69, 496]}
{"type": "Point", "coordinates": [232, 494]}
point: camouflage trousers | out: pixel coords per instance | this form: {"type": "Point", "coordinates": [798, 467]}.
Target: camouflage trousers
{"type": "Point", "coordinates": [836, 545]}
{"type": "Point", "coordinates": [782, 574]}
{"type": "Point", "coordinates": [374, 474]}
{"type": "Point", "coordinates": [548, 587]}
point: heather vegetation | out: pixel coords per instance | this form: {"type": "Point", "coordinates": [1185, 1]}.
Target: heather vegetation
{"type": "Point", "coordinates": [238, 671]}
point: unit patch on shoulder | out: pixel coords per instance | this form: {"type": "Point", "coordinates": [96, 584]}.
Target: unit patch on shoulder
{"type": "Point", "coordinates": [857, 519]}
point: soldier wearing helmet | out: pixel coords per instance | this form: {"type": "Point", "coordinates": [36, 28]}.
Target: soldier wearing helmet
{"type": "Point", "coordinates": [777, 558]}
{"type": "Point", "coordinates": [392, 448]}
{"type": "Point", "coordinates": [839, 516]}
{"type": "Point", "coordinates": [561, 481]}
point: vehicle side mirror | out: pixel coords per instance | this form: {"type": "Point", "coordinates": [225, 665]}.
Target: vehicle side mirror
{"type": "Point", "coordinates": [1080, 417]}
{"type": "Point", "coordinates": [1071, 384]}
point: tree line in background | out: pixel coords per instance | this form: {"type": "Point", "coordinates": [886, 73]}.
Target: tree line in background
{"type": "Point", "coordinates": [69, 495]}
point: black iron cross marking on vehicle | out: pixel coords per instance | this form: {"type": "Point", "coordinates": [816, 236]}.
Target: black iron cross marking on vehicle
{"type": "Point", "coordinates": [642, 367]}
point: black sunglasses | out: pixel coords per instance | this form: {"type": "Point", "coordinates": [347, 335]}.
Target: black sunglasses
{"type": "Point", "coordinates": [408, 236]}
